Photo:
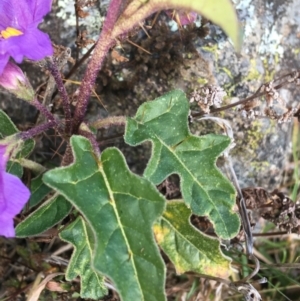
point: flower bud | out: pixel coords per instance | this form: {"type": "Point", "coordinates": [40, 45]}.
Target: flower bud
{"type": "Point", "coordinates": [15, 81]}
{"type": "Point", "coordinates": [182, 17]}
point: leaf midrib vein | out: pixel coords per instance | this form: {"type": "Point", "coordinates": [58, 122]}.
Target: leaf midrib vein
{"type": "Point", "coordinates": [110, 191]}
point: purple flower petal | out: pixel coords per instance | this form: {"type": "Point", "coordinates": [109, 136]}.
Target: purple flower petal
{"type": "Point", "coordinates": [40, 8]}
{"type": "Point", "coordinates": [15, 193]}
{"type": "Point", "coordinates": [21, 13]}
{"type": "Point", "coordinates": [15, 13]}
{"type": "Point", "coordinates": [7, 227]}
{"type": "Point", "coordinates": [23, 16]}
{"type": "Point", "coordinates": [35, 45]}
{"type": "Point", "coordinates": [13, 196]}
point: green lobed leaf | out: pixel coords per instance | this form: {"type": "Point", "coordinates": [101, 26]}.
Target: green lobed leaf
{"type": "Point", "coordinates": [187, 248]}
{"type": "Point", "coordinates": [14, 168]}
{"type": "Point", "coordinates": [175, 150]}
{"type": "Point", "coordinates": [45, 217]}
{"type": "Point", "coordinates": [38, 191]}
{"type": "Point", "coordinates": [27, 148]}
{"type": "Point", "coordinates": [79, 234]}
{"type": "Point", "coordinates": [7, 127]}
{"type": "Point", "coordinates": [121, 208]}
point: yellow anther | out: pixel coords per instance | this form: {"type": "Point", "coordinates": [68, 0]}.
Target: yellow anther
{"type": "Point", "coordinates": [10, 32]}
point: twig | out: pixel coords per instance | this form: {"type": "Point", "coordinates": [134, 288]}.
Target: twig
{"type": "Point", "coordinates": [257, 94]}
{"type": "Point", "coordinates": [138, 46]}
{"type": "Point", "coordinates": [241, 204]}
{"type": "Point", "coordinates": [79, 63]}
{"type": "Point", "coordinates": [76, 4]}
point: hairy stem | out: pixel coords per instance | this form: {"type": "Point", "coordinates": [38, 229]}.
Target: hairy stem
{"type": "Point", "coordinates": [43, 110]}
{"type": "Point", "coordinates": [105, 41]}
{"type": "Point", "coordinates": [36, 168]}
{"type": "Point", "coordinates": [109, 121]}
{"type": "Point", "coordinates": [36, 130]}
{"type": "Point", "coordinates": [64, 95]}
{"type": "Point", "coordinates": [89, 135]}
{"type": "Point", "coordinates": [113, 27]}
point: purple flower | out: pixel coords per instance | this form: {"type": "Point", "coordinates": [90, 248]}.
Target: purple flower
{"type": "Point", "coordinates": [19, 35]}
{"type": "Point", "coordinates": [14, 80]}
{"type": "Point", "coordinates": [13, 196]}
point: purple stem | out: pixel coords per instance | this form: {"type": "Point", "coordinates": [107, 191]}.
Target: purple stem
{"type": "Point", "coordinates": [114, 26]}
{"type": "Point", "coordinates": [92, 139]}
{"type": "Point", "coordinates": [43, 110]}
{"type": "Point", "coordinates": [64, 95]}
{"type": "Point", "coordinates": [104, 43]}
{"type": "Point", "coordinates": [113, 13]}
{"type": "Point", "coordinates": [36, 130]}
